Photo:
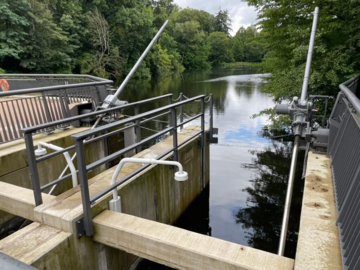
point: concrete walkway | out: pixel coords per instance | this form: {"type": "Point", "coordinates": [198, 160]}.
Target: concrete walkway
{"type": "Point", "coordinates": [318, 245]}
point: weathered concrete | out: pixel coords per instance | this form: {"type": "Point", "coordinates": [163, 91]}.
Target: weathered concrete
{"type": "Point", "coordinates": [179, 248]}
{"type": "Point", "coordinates": [14, 164]}
{"type": "Point", "coordinates": [153, 195]}
{"type": "Point", "coordinates": [318, 243]}
{"type": "Point", "coordinates": [19, 201]}
{"type": "Point", "coordinates": [8, 262]}
{"type": "Point", "coordinates": [35, 240]}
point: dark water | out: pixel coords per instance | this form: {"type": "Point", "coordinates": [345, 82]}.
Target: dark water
{"type": "Point", "coordinates": [248, 171]}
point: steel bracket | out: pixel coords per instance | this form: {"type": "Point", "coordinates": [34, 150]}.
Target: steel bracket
{"type": "Point", "coordinates": [80, 228]}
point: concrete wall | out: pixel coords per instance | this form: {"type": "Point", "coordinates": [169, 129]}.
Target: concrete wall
{"type": "Point", "coordinates": [152, 195]}
{"type": "Point", "coordinates": [14, 167]}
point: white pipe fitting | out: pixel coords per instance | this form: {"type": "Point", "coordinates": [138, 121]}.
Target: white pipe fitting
{"type": "Point", "coordinates": [115, 204]}
{"type": "Point", "coordinates": [41, 151]}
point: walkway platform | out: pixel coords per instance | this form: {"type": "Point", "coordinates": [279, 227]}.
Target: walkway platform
{"type": "Point", "coordinates": [318, 245]}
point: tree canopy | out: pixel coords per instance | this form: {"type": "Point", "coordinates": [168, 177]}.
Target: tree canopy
{"type": "Point", "coordinates": [106, 37]}
{"type": "Point", "coordinates": [285, 28]}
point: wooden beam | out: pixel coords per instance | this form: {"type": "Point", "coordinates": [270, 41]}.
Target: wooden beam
{"type": "Point", "coordinates": [179, 248]}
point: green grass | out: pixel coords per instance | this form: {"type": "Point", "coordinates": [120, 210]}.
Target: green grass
{"type": "Point", "coordinates": [242, 64]}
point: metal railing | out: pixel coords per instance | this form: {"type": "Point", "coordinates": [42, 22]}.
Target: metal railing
{"type": "Point", "coordinates": [344, 150]}
{"type": "Point", "coordinates": [49, 101]}
{"type": "Point", "coordinates": [84, 225]}
{"type": "Point", "coordinates": [30, 150]}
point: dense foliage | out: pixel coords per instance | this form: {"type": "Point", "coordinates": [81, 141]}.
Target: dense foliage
{"type": "Point", "coordinates": [285, 28]}
{"type": "Point", "coordinates": [106, 37]}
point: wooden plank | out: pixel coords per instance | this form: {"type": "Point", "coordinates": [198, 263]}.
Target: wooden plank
{"type": "Point", "coordinates": [179, 248]}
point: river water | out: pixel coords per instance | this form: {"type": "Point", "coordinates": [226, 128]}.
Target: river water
{"type": "Point", "coordinates": [248, 170]}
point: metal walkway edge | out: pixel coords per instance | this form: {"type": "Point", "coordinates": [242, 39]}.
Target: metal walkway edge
{"type": "Point", "coordinates": [177, 247]}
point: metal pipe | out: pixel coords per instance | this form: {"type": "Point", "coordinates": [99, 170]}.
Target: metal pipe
{"type": "Point", "coordinates": [115, 203]}
{"type": "Point", "coordinates": [69, 160]}
{"type": "Point", "coordinates": [285, 221]}
{"type": "Point", "coordinates": [133, 70]}
{"type": "Point", "coordinates": [309, 56]}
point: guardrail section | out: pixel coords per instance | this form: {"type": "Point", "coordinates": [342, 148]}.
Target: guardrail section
{"type": "Point", "coordinates": [344, 149]}
{"type": "Point", "coordinates": [37, 99]}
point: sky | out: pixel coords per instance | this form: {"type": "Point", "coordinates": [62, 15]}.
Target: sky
{"type": "Point", "coordinates": [239, 12]}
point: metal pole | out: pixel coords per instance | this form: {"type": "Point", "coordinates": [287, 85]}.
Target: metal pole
{"type": "Point", "coordinates": [181, 111]}
{"type": "Point", "coordinates": [174, 134]}
{"type": "Point", "coordinates": [84, 187]}
{"type": "Point", "coordinates": [133, 70]}
{"type": "Point", "coordinates": [211, 116]}
{"type": "Point", "coordinates": [170, 115]}
{"type": "Point", "coordinates": [138, 128]}
{"type": "Point", "coordinates": [202, 109]}
{"type": "Point", "coordinates": [309, 56]}
{"type": "Point", "coordinates": [285, 221]}
{"type": "Point", "coordinates": [34, 174]}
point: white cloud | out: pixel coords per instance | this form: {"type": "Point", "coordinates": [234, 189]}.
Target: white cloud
{"type": "Point", "coordinates": [239, 12]}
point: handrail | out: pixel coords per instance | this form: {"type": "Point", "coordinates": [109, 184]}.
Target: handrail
{"type": "Point", "coordinates": [353, 99]}
{"type": "Point", "coordinates": [28, 133]}
{"type": "Point", "coordinates": [54, 75]}
{"type": "Point", "coordinates": [96, 113]}
{"type": "Point", "coordinates": [52, 88]}
{"type": "Point", "coordinates": [343, 149]}
{"type": "Point", "coordinates": [85, 134]}
{"type": "Point", "coordinates": [85, 225]}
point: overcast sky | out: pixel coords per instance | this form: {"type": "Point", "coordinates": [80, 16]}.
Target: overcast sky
{"type": "Point", "coordinates": [240, 13]}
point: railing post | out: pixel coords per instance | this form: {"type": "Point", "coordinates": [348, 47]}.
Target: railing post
{"type": "Point", "coordinates": [174, 134]}
{"type": "Point", "coordinates": [84, 187]}
{"type": "Point", "coordinates": [138, 128]}
{"type": "Point", "coordinates": [211, 116]}
{"type": "Point", "coordinates": [181, 111]}
{"type": "Point", "coordinates": [47, 111]}
{"type": "Point", "coordinates": [324, 117]}
{"type": "Point", "coordinates": [202, 143]}
{"type": "Point", "coordinates": [34, 174]}
{"type": "Point", "coordinates": [170, 115]}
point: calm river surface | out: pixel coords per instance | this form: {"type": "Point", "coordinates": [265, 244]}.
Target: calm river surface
{"type": "Point", "coordinates": [248, 171]}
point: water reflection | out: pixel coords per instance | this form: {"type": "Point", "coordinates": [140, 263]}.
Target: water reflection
{"type": "Point", "coordinates": [248, 171]}
{"type": "Point", "coordinates": [262, 216]}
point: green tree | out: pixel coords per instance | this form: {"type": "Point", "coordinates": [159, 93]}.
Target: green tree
{"type": "Point", "coordinates": [46, 47]}
{"type": "Point", "coordinates": [192, 44]}
{"type": "Point", "coordinates": [238, 47]}
{"type": "Point", "coordinates": [14, 21]}
{"type": "Point", "coordinates": [222, 22]}
{"type": "Point", "coordinates": [220, 48]}
{"type": "Point", "coordinates": [286, 27]}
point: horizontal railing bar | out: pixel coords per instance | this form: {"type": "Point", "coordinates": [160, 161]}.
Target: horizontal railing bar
{"type": "Point", "coordinates": [190, 119]}
{"type": "Point", "coordinates": [104, 128]}
{"type": "Point", "coordinates": [125, 179]}
{"type": "Point", "coordinates": [151, 99]}
{"type": "Point", "coordinates": [154, 117]}
{"type": "Point", "coordinates": [129, 176]}
{"type": "Point", "coordinates": [57, 181]}
{"type": "Point", "coordinates": [114, 155]}
{"type": "Point", "coordinates": [86, 142]}
{"type": "Point", "coordinates": [125, 150]}
{"type": "Point", "coordinates": [52, 88]}
{"type": "Point", "coordinates": [54, 154]}
{"type": "Point", "coordinates": [47, 76]}
{"type": "Point", "coordinates": [79, 117]}
{"type": "Point", "coordinates": [355, 102]}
